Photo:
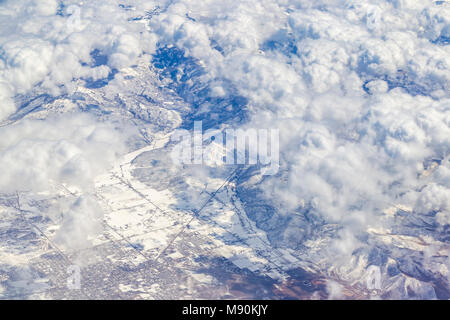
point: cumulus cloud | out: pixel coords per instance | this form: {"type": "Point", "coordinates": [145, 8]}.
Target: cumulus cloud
{"type": "Point", "coordinates": [434, 198]}
{"type": "Point", "coordinates": [65, 149]}
{"type": "Point", "coordinates": [49, 43]}
{"type": "Point", "coordinates": [359, 91]}
{"type": "Point", "coordinates": [81, 222]}
{"type": "Point", "coordinates": [41, 156]}
{"type": "Point", "coordinates": [334, 290]}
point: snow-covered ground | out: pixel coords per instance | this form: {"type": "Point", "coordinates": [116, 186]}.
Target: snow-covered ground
{"type": "Point", "coordinates": [92, 92]}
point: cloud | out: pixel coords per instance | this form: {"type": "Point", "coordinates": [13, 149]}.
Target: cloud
{"type": "Point", "coordinates": [334, 290]}
{"type": "Point", "coordinates": [41, 156]}
{"type": "Point", "coordinates": [81, 222]}
{"type": "Point", "coordinates": [434, 198]}
{"type": "Point", "coordinates": [359, 92]}
{"type": "Point", "coordinates": [64, 149]}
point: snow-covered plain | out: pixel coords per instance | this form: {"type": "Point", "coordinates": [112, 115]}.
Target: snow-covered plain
{"type": "Point", "coordinates": [91, 92]}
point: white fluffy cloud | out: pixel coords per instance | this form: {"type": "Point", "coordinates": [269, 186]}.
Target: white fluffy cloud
{"type": "Point", "coordinates": [39, 157]}
{"type": "Point", "coordinates": [81, 222]}
{"type": "Point", "coordinates": [359, 91]}
{"type": "Point", "coordinates": [34, 154]}
{"type": "Point", "coordinates": [39, 46]}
